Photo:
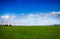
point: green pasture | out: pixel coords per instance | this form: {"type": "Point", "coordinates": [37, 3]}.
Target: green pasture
{"type": "Point", "coordinates": [29, 32]}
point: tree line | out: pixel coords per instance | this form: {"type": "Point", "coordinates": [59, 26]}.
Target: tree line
{"type": "Point", "coordinates": [6, 25]}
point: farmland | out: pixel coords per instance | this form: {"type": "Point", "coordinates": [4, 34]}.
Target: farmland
{"type": "Point", "coordinates": [29, 32]}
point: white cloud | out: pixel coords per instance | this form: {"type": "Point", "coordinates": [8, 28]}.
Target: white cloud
{"type": "Point", "coordinates": [31, 15]}
{"type": "Point", "coordinates": [36, 15]}
{"type": "Point", "coordinates": [5, 17]}
{"type": "Point", "coordinates": [33, 19]}
{"type": "Point", "coordinates": [55, 13]}
{"type": "Point", "coordinates": [12, 16]}
{"type": "Point", "coordinates": [52, 14]}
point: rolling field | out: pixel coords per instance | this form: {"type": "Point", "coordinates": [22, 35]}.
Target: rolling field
{"type": "Point", "coordinates": [30, 32]}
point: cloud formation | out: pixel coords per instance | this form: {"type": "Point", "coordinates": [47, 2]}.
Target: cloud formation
{"type": "Point", "coordinates": [5, 17]}
{"type": "Point", "coordinates": [32, 19]}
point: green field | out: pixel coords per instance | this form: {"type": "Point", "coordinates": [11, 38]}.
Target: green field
{"type": "Point", "coordinates": [30, 32]}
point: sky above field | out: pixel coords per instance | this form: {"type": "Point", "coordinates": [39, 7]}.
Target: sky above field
{"type": "Point", "coordinates": [30, 12]}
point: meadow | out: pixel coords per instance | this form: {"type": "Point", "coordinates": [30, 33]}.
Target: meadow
{"type": "Point", "coordinates": [29, 32]}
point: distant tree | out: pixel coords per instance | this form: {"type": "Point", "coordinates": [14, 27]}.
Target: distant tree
{"type": "Point", "coordinates": [56, 24]}
{"type": "Point", "coordinates": [6, 25]}
{"type": "Point", "coordinates": [10, 25]}
{"type": "Point", "coordinates": [0, 25]}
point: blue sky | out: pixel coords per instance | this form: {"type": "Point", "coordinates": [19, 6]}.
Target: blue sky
{"type": "Point", "coordinates": [21, 9]}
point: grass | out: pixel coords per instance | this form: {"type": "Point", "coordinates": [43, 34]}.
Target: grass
{"type": "Point", "coordinates": [30, 32]}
